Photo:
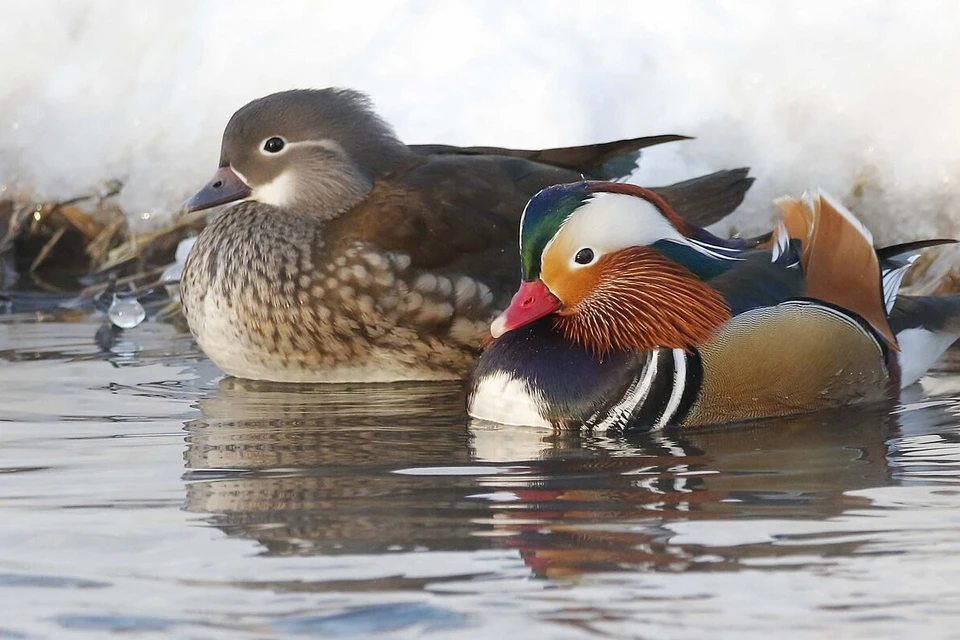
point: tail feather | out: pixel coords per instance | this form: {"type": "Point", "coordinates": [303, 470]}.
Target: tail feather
{"type": "Point", "coordinates": [932, 313]}
{"type": "Point", "coordinates": [701, 201]}
{"type": "Point", "coordinates": [606, 160]}
{"type": "Point", "coordinates": [708, 199]}
{"type": "Point", "coordinates": [888, 253]}
{"type": "Point", "coordinates": [925, 326]}
{"type": "Point", "coordinates": [896, 260]}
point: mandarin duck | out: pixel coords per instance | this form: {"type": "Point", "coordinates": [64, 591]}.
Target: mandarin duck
{"type": "Point", "coordinates": [629, 317]}
{"type": "Point", "coordinates": [355, 257]}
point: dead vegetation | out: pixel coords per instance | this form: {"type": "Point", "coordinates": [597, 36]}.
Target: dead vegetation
{"type": "Point", "coordinates": [83, 246]}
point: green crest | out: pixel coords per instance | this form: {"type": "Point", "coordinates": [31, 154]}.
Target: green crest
{"type": "Point", "coordinates": [542, 218]}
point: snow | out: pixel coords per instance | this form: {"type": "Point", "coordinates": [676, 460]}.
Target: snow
{"type": "Point", "coordinates": [860, 98]}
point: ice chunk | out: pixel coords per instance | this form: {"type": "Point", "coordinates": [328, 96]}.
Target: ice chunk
{"type": "Point", "coordinates": [126, 312]}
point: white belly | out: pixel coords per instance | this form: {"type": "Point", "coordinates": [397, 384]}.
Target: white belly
{"type": "Point", "coordinates": [504, 399]}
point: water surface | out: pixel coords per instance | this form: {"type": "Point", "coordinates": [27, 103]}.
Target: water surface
{"type": "Point", "coordinates": [142, 494]}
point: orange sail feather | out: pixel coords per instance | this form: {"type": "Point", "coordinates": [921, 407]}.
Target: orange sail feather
{"type": "Point", "coordinates": [839, 260]}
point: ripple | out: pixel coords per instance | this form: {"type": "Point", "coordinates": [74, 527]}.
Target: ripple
{"type": "Point", "coordinates": [48, 582]}
{"type": "Point", "coordinates": [464, 471]}
{"type": "Point", "coordinates": [367, 620]}
{"type": "Point", "coordinates": [116, 623]}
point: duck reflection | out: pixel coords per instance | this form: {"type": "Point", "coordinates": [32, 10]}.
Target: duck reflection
{"type": "Point", "coordinates": [604, 504]}
{"type": "Point", "coordinates": [310, 469]}
{"type": "Point", "coordinates": [339, 469]}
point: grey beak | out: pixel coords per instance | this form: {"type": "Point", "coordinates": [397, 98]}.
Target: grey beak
{"type": "Point", "coordinates": [225, 186]}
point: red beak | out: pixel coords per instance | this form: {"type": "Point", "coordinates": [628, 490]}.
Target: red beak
{"type": "Point", "coordinates": [532, 301]}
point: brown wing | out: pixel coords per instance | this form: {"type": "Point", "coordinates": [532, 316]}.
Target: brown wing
{"type": "Point", "coordinates": [453, 214]}
{"type": "Point", "coordinates": [461, 213]}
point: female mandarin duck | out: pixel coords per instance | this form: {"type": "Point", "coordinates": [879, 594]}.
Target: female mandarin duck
{"type": "Point", "coordinates": [355, 257]}
{"type": "Point", "coordinates": [629, 317]}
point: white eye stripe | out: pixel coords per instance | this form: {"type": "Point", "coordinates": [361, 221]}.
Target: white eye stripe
{"type": "Point", "coordinates": [326, 143]}
{"type": "Point", "coordinates": [523, 216]}
{"type": "Point", "coordinates": [607, 223]}
{"type": "Point", "coordinates": [610, 222]}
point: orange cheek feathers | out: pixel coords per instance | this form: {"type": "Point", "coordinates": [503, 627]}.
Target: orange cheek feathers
{"type": "Point", "coordinates": [641, 300]}
{"type": "Point", "coordinates": [571, 285]}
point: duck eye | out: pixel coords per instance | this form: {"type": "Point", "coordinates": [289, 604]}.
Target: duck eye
{"type": "Point", "coordinates": [273, 145]}
{"type": "Point", "coordinates": [584, 256]}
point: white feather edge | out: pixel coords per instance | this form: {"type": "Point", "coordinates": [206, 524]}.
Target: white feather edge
{"type": "Point", "coordinates": [781, 238]}
{"type": "Point", "coordinates": [620, 412]}
{"type": "Point", "coordinates": [892, 279]}
{"type": "Point", "coordinates": [810, 201]}
{"type": "Point", "coordinates": [846, 213]}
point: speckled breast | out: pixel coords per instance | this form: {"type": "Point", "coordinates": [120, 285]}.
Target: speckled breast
{"type": "Point", "coordinates": [266, 299]}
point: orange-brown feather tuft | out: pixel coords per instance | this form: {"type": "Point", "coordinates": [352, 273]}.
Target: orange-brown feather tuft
{"type": "Point", "coordinates": [643, 300]}
{"type": "Point", "coordinates": [839, 261]}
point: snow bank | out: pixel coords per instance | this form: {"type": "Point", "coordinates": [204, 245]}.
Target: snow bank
{"type": "Point", "coordinates": [862, 98]}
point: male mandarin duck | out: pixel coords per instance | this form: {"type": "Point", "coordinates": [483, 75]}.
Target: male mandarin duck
{"type": "Point", "coordinates": [629, 317]}
{"type": "Point", "coordinates": [355, 257]}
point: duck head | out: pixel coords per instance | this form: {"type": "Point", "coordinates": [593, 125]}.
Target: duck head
{"type": "Point", "coordinates": [314, 151]}
{"type": "Point", "coordinates": [617, 269]}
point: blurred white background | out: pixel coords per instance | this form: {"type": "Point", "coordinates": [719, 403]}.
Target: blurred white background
{"type": "Point", "coordinates": [861, 98]}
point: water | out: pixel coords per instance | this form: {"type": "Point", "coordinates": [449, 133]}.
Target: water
{"type": "Point", "coordinates": [141, 495]}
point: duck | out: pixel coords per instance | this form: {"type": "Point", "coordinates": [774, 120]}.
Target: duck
{"type": "Point", "coordinates": [632, 319]}
{"type": "Point", "coordinates": [346, 255]}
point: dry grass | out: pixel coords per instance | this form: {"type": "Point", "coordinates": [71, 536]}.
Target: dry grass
{"type": "Point", "coordinates": [81, 245]}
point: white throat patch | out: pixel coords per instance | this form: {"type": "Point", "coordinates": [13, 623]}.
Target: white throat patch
{"type": "Point", "coordinates": [278, 192]}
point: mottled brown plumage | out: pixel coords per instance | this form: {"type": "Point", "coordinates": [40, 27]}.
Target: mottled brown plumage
{"type": "Point", "coordinates": [358, 258]}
